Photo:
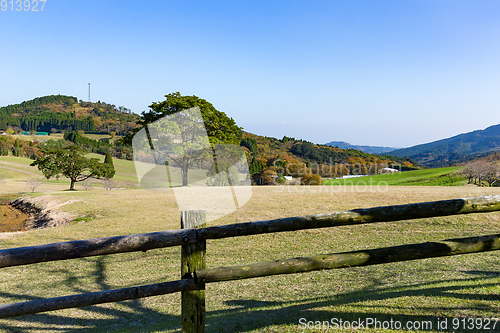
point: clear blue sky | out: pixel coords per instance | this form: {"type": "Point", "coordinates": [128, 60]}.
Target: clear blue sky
{"type": "Point", "coordinates": [392, 73]}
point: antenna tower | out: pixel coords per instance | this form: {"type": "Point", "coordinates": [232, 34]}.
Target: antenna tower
{"type": "Point", "coordinates": [89, 92]}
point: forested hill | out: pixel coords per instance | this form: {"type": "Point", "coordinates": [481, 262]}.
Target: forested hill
{"type": "Point", "coordinates": [59, 112]}
{"type": "Point", "coordinates": [456, 149]}
{"type": "Point", "coordinates": [268, 149]}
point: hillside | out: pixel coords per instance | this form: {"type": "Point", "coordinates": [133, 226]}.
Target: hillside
{"type": "Point", "coordinates": [291, 150]}
{"type": "Point", "coordinates": [57, 113]}
{"type": "Point", "coordinates": [366, 149]}
{"type": "Point", "coordinates": [456, 149]}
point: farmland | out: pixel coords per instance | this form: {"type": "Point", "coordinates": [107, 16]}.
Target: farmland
{"type": "Point", "coordinates": [449, 176]}
{"type": "Point", "coordinates": [460, 286]}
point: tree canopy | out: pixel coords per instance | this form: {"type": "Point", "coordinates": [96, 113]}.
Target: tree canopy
{"type": "Point", "coordinates": [186, 129]}
{"type": "Point", "coordinates": [221, 129]}
{"type": "Point", "coordinates": [70, 162]}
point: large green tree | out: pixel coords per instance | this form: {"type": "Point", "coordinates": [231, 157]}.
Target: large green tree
{"type": "Point", "coordinates": [70, 162]}
{"type": "Point", "coordinates": [220, 128]}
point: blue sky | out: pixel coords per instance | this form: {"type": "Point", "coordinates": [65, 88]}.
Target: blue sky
{"type": "Point", "coordinates": [393, 73]}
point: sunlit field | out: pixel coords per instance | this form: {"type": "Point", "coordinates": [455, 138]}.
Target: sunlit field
{"type": "Point", "coordinates": [461, 286]}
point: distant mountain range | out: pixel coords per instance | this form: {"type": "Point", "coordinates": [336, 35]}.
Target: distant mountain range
{"type": "Point", "coordinates": [456, 149]}
{"type": "Point", "coordinates": [366, 149]}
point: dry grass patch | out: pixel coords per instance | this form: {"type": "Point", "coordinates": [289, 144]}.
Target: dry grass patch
{"type": "Point", "coordinates": [424, 289]}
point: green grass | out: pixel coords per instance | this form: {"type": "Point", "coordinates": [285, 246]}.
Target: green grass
{"type": "Point", "coordinates": [448, 176]}
{"type": "Point", "coordinates": [59, 136]}
{"type": "Point", "coordinates": [125, 176]}
{"type": "Point", "coordinates": [126, 172]}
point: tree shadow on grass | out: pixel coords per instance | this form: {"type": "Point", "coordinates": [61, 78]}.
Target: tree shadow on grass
{"type": "Point", "coordinates": [133, 318]}
{"type": "Point", "coordinates": [251, 315]}
{"type": "Point", "coordinates": [255, 315]}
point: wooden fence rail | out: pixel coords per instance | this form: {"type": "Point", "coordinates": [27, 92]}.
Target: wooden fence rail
{"type": "Point", "coordinates": [193, 236]}
{"type": "Point", "coordinates": [450, 247]}
{"type": "Point", "coordinates": [148, 241]}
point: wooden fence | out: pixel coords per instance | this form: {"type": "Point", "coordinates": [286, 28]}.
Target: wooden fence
{"type": "Point", "coordinates": [194, 274]}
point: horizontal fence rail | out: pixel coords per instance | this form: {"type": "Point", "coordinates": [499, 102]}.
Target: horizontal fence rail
{"type": "Point", "coordinates": [443, 248]}
{"type": "Point", "coordinates": [192, 240]}
{"type": "Point", "coordinates": [95, 247]}
{"type": "Point", "coordinates": [100, 297]}
{"type": "Point", "coordinates": [384, 255]}
{"type": "Point", "coordinates": [148, 241]}
{"type": "Point", "coordinates": [483, 204]}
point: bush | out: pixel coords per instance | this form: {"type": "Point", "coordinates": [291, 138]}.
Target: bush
{"type": "Point", "coordinates": [311, 179]}
{"type": "Point", "coordinates": [268, 176]}
{"type": "Point", "coordinates": [281, 180]}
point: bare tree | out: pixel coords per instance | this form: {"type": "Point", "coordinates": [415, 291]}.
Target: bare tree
{"type": "Point", "coordinates": [88, 184]}
{"type": "Point", "coordinates": [469, 172]}
{"type": "Point", "coordinates": [485, 170]}
{"type": "Point", "coordinates": [32, 184]}
{"type": "Point", "coordinates": [108, 184]}
{"type": "Point", "coordinates": [492, 173]}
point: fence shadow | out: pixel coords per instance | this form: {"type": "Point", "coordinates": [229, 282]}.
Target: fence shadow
{"type": "Point", "coordinates": [250, 315]}
{"type": "Point", "coordinates": [133, 318]}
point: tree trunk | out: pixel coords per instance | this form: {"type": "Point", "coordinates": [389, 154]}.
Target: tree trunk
{"type": "Point", "coordinates": [72, 186]}
{"type": "Point", "coordinates": [185, 169]}
{"type": "Point", "coordinates": [185, 175]}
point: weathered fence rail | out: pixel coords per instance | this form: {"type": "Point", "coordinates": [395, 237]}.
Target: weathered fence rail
{"type": "Point", "coordinates": [192, 238]}
{"type": "Point", "coordinates": [385, 255]}
{"type": "Point", "coordinates": [148, 241]}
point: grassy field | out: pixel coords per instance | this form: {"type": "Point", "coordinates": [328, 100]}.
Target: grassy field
{"type": "Point", "coordinates": [58, 136]}
{"type": "Point", "coordinates": [427, 177]}
{"type": "Point", "coordinates": [462, 286]}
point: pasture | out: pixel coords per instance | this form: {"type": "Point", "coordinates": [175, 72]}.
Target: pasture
{"type": "Point", "coordinates": [59, 136]}
{"type": "Point", "coordinates": [449, 176]}
{"type": "Point", "coordinates": [465, 286]}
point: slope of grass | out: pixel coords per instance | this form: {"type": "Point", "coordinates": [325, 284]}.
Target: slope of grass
{"type": "Point", "coordinates": [126, 172]}
{"type": "Point", "coordinates": [448, 176]}
{"type": "Point", "coordinates": [461, 286]}
{"type": "Point", "coordinates": [59, 136]}
{"type": "Point", "coordinates": [19, 168]}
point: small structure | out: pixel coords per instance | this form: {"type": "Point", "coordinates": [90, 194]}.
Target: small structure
{"type": "Point", "coordinates": [388, 170]}
{"type": "Point", "coordinates": [42, 133]}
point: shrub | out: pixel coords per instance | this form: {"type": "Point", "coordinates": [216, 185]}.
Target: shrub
{"type": "Point", "coordinates": [311, 179]}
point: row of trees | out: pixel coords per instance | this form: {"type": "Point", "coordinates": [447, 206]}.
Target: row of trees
{"type": "Point", "coordinates": [19, 148]}
{"type": "Point", "coordinates": [484, 171]}
{"type": "Point", "coordinates": [268, 171]}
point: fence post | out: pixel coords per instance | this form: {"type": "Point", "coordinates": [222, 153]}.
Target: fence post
{"type": "Point", "coordinates": [193, 258]}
